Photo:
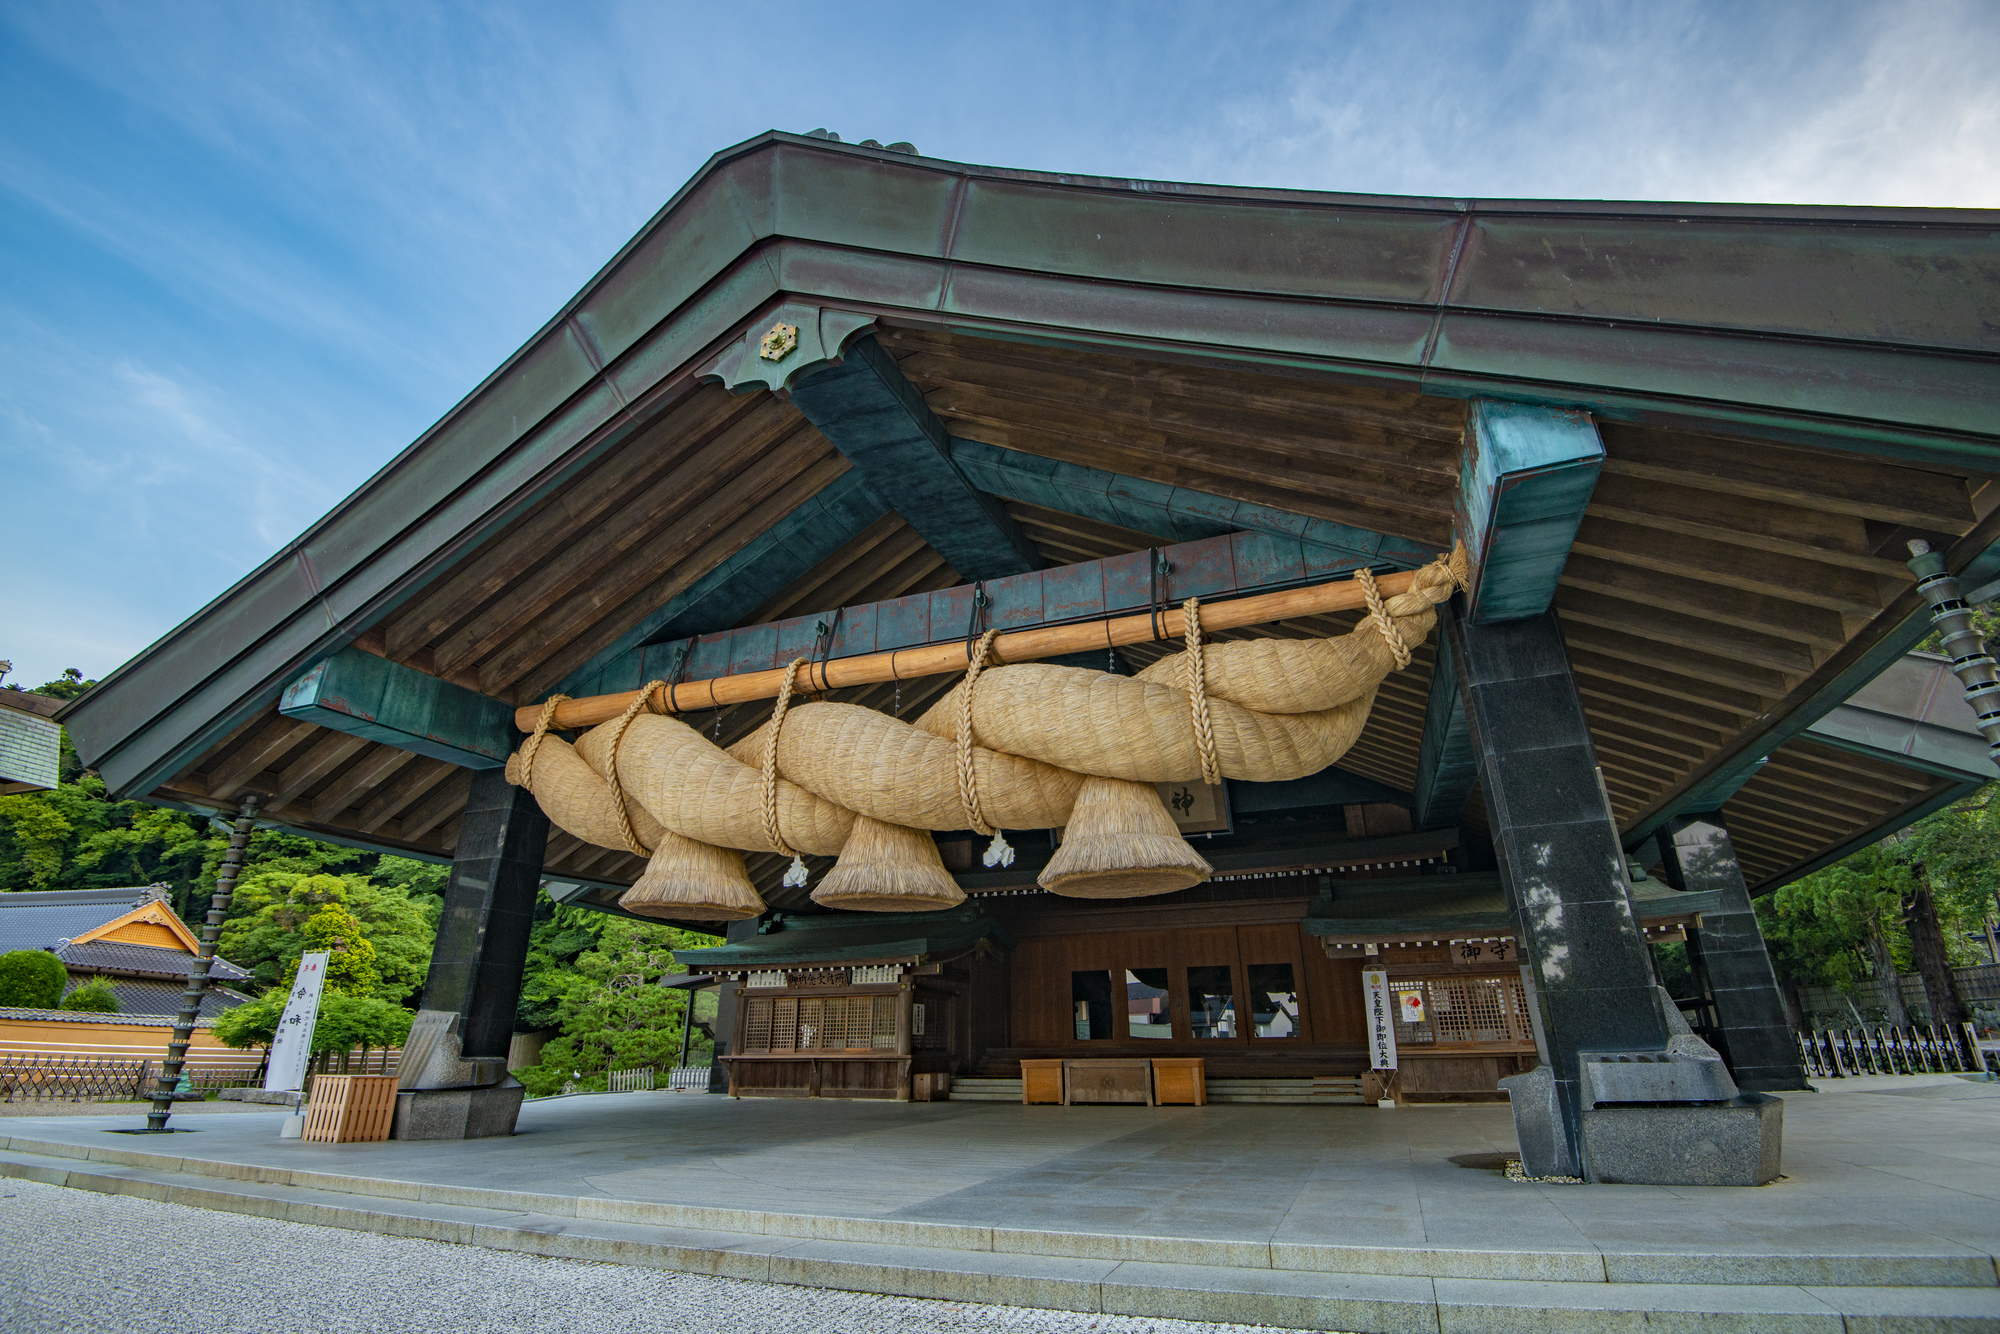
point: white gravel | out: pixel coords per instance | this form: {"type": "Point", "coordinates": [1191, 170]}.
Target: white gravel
{"type": "Point", "coordinates": [77, 1260]}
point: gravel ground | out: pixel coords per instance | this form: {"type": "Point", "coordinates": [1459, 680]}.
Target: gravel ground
{"type": "Point", "coordinates": [77, 1260]}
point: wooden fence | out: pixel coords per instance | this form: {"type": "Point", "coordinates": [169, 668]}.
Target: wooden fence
{"type": "Point", "coordinates": [1833, 1053]}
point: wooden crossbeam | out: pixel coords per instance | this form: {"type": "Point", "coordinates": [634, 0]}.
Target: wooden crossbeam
{"type": "Point", "coordinates": [933, 659]}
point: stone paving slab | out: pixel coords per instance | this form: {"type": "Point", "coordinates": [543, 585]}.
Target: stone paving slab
{"type": "Point", "coordinates": [1286, 1299]}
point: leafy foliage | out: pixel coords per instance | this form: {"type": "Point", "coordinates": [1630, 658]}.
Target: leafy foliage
{"type": "Point", "coordinates": [94, 996]}
{"type": "Point", "coordinates": [345, 1022]}
{"type": "Point", "coordinates": [607, 1001]}
{"type": "Point", "coordinates": [32, 979]}
{"type": "Point", "coordinates": [1818, 927]}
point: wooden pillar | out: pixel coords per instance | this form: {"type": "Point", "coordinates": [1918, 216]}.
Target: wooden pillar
{"type": "Point", "coordinates": [1558, 850]}
{"type": "Point", "coordinates": [1756, 1038]}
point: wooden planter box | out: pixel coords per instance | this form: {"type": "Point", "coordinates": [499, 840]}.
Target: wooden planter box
{"type": "Point", "coordinates": [347, 1109]}
{"type": "Point", "coordinates": [1180, 1079]}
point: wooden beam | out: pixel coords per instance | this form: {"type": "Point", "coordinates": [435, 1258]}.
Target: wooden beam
{"type": "Point", "coordinates": [1814, 583]}
{"type": "Point", "coordinates": [879, 421]}
{"type": "Point", "coordinates": [1018, 646]}
{"type": "Point", "coordinates": [724, 596]}
{"type": "Point", "coordinates": [373, 768]}
{"type": "Point", "coordinates": [1164, 510]}
{"type": "Point", "coordinates": [1527, 475]}
{"type": "Point", "coordinates": [253, 757]}
{"type": "Point", "coordinates": [325, 755]}
{"type": "Point", "coordinates": [1709, 638]}
{"type": "Point", "coordinates": [1812, 478]}
{"type": "Point", "coordinates": [1974, 558]}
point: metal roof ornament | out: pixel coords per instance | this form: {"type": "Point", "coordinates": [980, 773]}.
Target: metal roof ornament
{"type": "Point", "coordinates": [780, 342]}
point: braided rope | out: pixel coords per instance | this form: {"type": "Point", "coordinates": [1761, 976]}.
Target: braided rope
{"type": "Point", "coordinates": [534, 741]}
{"type": "Point", "coordinates": [771, 763]}
{"type": "Point", "coordinates": [1384, 622]}
{"type": "Point", "coordinates": [618, 727]}
{"type": "Point", "coordinates": [1195, 670]}
{"type": "Point", "coordinates": [968, 782]}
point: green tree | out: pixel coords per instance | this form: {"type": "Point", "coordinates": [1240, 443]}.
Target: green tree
{"type": "Point", "coordinates": [31, 979]}
{"type": "Point", "coordinates": [1918, 894]}
{"type": "Point", "coordinates": [266, 931]}
{"type": "Point", "coordinates": [40, 836]}
{"type": "Point", "coordinates": [612, 1011]}
{"type": "Point", "coordinates": [344, 1023]}
{"type": "Point", "coordinates": [95, 996]}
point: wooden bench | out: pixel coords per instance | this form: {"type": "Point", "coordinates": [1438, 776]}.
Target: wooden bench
{"type": "Point", "coordinates": [1148, 1081]}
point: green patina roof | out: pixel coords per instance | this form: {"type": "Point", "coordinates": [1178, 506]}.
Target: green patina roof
{"type": "Point", "coordinates": [1460, 905]}
{"type": "Point", "coordinates": [855, 938]}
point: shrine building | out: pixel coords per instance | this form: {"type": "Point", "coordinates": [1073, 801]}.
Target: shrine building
{"type": "Point", "coordinates": [1097, 639]}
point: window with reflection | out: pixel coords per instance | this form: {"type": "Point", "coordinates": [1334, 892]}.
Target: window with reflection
{"type": "Point", "coordinates": [1274, 1001]}
{"type": "Point", "coordinates": [1090, 998]}
{"type": "Point", "coordinates": [1211, 1001]}
{"type": "Point", "coordinates": [1147, 1012]}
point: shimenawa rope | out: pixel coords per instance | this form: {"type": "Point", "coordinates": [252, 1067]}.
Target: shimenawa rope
{"type": "Point", "coordinates": [999, 852]}
{"type": "Point", "coordinates": [534, 741]}
{"type": "Point", "coordinates": [797, 874]}
{"type": "Point", "coordinates": [1197, 687]}
{"type": "Point", "coordinates": [1384, 622]}
{"type": "Point", "coordinates": [624, 720]}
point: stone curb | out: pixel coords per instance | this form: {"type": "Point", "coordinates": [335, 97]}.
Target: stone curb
{"type": "Point", "coordinates": [1288, 1299]}
{"type": "Point", "coordinates": [1965, 1269]}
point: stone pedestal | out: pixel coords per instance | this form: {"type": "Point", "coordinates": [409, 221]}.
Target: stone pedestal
{"type": "Point", "coordinates": [1734, 1143]}
{"type": "Point", "coordinates": [460, 1113]}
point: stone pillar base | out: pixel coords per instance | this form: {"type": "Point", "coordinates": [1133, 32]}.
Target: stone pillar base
{"type": "Point", "coordinates": [459, 1113]}
{"type": "Point", "coordinates": [1734, 1143]}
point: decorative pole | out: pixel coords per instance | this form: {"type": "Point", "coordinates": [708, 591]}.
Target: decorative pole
{"type": "Point", "coordinates": [1970, 661]}
{"type": "Point", "coordinates": [197, 987]}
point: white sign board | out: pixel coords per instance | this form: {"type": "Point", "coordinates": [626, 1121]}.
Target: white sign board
{"type": "Point", "coordinates": [1381, 1008]}
{"type": "Point", "coordinates": [291, 1047]}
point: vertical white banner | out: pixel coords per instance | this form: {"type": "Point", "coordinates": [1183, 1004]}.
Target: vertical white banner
{"type": "Point", "coordinates": [291, 1046]}
{"type": "Point", "coordinates": [1381, 1008]}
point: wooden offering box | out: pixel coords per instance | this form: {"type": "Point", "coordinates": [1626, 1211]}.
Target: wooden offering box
{"type": "Point", "coordinates": [350, 1109]}
{"type": "Point", "coordinates": [1108, 1081]}
{"type": "Point", "coordinates": [1042, 1081]}
{"type": "Point", "coordinates": [1180, 1079]}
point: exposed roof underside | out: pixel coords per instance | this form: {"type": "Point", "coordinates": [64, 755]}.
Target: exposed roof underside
{"type": "Point", "coordinates": [1784, 396]}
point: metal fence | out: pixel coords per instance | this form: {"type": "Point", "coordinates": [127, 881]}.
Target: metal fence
{"type": "Point", "coordinates": [691, 1078]}
{"type": "Point", "coordinates": [630, 1081]}
{"type": "Point", "coordinates": [72, 1079]}
{"type": "Point", "coordinates": [1833, 1053]}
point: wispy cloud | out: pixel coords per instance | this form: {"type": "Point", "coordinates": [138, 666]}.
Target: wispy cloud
{"type": "Point", "coordinates": [250, 253]}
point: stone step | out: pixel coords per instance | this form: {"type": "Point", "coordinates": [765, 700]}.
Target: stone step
{"type": "Point", "coordinates": [1111, 1282]}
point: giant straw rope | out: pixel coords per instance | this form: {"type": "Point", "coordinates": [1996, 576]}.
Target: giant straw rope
{"type": "Point", "coordinates": [1012, 746]}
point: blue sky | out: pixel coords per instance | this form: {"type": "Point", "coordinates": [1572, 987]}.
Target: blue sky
{"type": "Point", "coordinates": [248, 252]}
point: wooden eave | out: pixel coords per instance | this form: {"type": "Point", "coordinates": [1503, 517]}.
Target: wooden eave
{"type": "Point", "coordinates": [1785, 394]}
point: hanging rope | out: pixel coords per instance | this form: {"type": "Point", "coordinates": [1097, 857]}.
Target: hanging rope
{"type": "Point", "coordinates": [1196, 671]}
{"type": "Point", "coordinates": [797, 874]}
{"type": "Point", "coordinates": [1384, 622]}
{"type": "Point", "coordinates": [618, 726]}
{"type": "Point", "coordinates": [534, 741]}
{"type": "Point", "coordinates": [998, 852]}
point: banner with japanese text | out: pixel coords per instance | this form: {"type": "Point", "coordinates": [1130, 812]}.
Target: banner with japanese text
{"type": "Point", "coordinates": [1381, 1009]}
{"type": "Point", "coordinates": [291, 1046]}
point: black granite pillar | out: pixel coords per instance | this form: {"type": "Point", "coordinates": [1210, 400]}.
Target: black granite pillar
{"type": "Point", "coordinates": [1558, 849]}
{"type": "Point", "coordinates": [489, 907]}
{"type": "Point", "coordinates": [1756, 1035]}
